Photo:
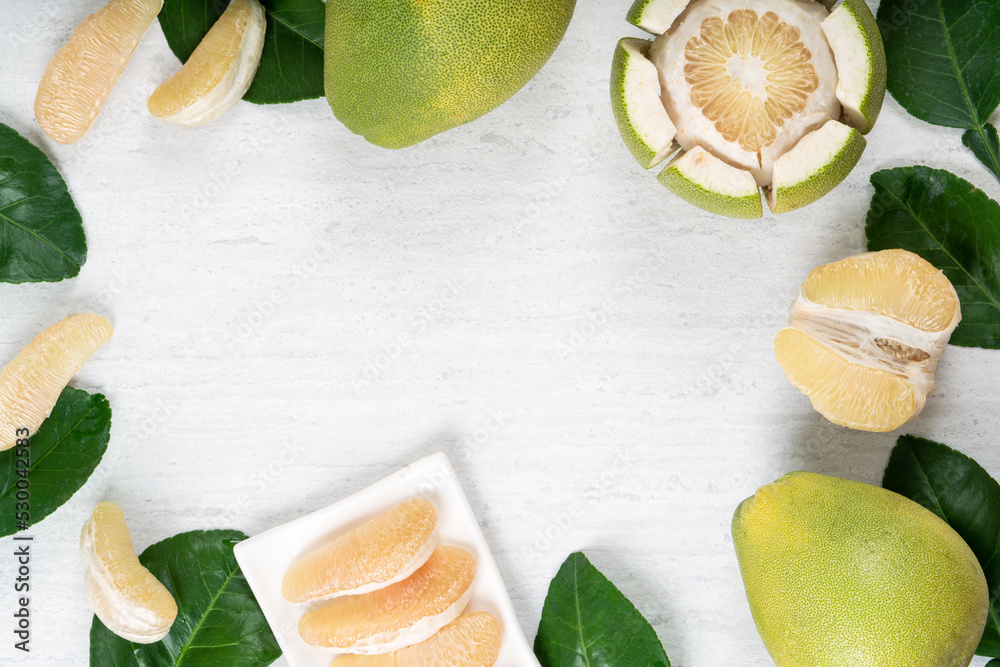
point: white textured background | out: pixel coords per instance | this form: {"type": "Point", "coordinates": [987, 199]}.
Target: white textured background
{"type": "Point", "coordinates": [255, 268]}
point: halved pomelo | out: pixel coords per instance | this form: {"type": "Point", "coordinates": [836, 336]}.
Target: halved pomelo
{"type": "Point", "coordinates": [218, 73]}
{"type": "Point", "coordinates": [751, 82]}
{"type": "Point", "coordinates": [384, 551]}
{"type": "Point", "coordinates": [817, 164]}
{"type": "Point", "coordinates": [399, 615]}
{"type": "Point", "coordinates": [700, 178]}
{"type": "Point", "coordinates": [635, 92]}
{"type": "Point", "coordinates": [31, 383]}
{"type": "Point", "coordinates": [471, 641]}
{"type": "Point", "coordinates": [128, 599]}
{"type": "Point", "coordinates": [80, 76]}
{"type": "Point", "coordinates": [865, 336]}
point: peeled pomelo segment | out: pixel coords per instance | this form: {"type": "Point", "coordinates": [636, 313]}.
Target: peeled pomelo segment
{"type": "Point", "coordinates": [857, 47]}
{"type": "Point", "coordinates": [895, 283]}
{"type": "Point", "coordinates": [845, 393]}
{"type": "Point", "coordinates": [80, 76]}
{"type": "Point", "coordinates": [471, 641]}
{"type": "Point", "coordinates": [384, 551]}
{"type": "Point", "coordinates": [635, 95]}
{"type": "Point", "coordinates": [655, 16]}
{"type": "Point", "coordinates": [31, 383]}
{"type": "Point", "coordinates": [399, 615]}
{"type": "Point", "coordinates": [128, 599]}
{"type": "Point", "coordinates": [704, 180]}
{"type": "Point", "coordinates": [218, 73]}
{"type": "Point", "coordinates": [817, 164]}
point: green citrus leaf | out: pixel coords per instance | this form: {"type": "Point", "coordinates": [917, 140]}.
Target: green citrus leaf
{"type": "Point", "coordinates": [985, 144]}
{"type": "Point", "coordinates": [587, 621]}
{"type": "Point", "coordinates": [41, 232]}
{"type": "Point", "coordinates": [943, 58]}
{"type": "Point", "coordinates": [63, 453]}
{"type": "Point", "coordinates": [291, 66]}
{"type": "Point", "coordinates": [958, 490]}
{"type": "Point", "coordinates": [218, 622]}
{"type": "Point", "coordinates": [952, 225]}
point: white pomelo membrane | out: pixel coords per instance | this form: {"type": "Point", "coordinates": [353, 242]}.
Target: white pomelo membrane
{"type": "Point", "coordinates": [637, 87]}
{"type": "Point", "coordinates": [749, 81]}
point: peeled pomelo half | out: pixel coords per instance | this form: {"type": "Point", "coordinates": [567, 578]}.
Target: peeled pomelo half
{"type": "Point", "coordinates": [405, 613]}
{"type": "Point", "coordinates": [471, 641]}
{"type": "Point", "coordinates": [865, 336]}
{"type": "Point", "coordinates": [128, 599]}
{"type": "Point", "coordinates": [382, 552]}
{"type": "Point", "coordinates": [635, 93]}
{"type": "Point", "coordinates": [753, 82]}
{"type": "Point", "coordinates": [80, 76]}
{"type": "Point", "coordinates": [218, 73]}
{"type": "Point", "coordinates": [31, 383]}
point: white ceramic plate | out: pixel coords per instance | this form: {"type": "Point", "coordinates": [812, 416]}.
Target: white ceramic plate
{"type": "Point", "coordinates": [265, 558]}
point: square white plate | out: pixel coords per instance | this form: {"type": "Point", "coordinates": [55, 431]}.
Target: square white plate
{"type": "Point", "coordinates": [265, 557]}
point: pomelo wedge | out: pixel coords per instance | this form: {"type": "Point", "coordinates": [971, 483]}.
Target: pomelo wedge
{"type": "Point", "coordinates": [854, 37]}
{"type": "Point", "coordinates": [129, 600]}
{"type": "Point", "coordinates": [218, 73]}
{"type": "Point", "coordinates": [700, 178]}
{"type": "Point", "coordinates": [635, 92]}
{"type": "Point", "coordinates": [655, 16]}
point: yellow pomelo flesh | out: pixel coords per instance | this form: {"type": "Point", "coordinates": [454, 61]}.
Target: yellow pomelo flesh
{"type": "Point", "coordinates": [895, 283]}
{"type": "Point", "coordinates": [400, 71]}
{"type": "Point", "coordinates": [471, 641]}
{"type": "Point", "coordinates": [31, 383]}
{"type": "Point", "coordinates": [382, 552]}
{"type": "Point", "coordinates": [841, 573]}
{"type": "Point", "coordinates": [399, 615]}
{"type": "Point", "coordinates": [80, 76]}
{"type": "Point", "coordinates": [848, 394]}
{"type": "Point", "coordinates": [128, 599]}
{"type": "Point", "coordinates": [218, 73]}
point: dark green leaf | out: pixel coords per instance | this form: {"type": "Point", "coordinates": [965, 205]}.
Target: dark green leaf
{"type": "Point", "coordinates": [63, 453]}
{"type": "Point", "coordinates": [943, 58]}
{"type": "Point", "coordinates": [986, 146]}
{"type": "Point", "coordinates": [587, 622]}
{"type": "Point", "coordinates": [41, 232]}
{"type": "Point", "coordinates": [219, 622]}
{"type": "Point", "coordinates": [993, 663]}
{"type": "Point", "coordinates": [958, 490]}
{"type": "Point", "coordinates": [291, 67]}
{"type": "Point", "coordinates": [955, 227]}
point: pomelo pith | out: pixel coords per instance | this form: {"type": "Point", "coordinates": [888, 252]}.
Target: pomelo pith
{"type": "Point", "coordinates": [400, 71]}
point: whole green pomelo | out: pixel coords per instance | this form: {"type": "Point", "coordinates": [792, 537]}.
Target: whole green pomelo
{"type": "Point", "coordinates": [844, 574]}
{"type": "Point", "coordinates": [400, 71]}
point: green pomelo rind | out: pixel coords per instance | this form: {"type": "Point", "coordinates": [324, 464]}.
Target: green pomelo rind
{"type": "Point", "coordinates": [676, 178]}
{"type": "Point", "coordinates": [648, 150]}
{"type": "Point", "coordinates": [655, 16]}
{"type": "Point", "coordinates": [843, 573]}
{"type": "Point", "coordinates": [861, 107]}
{"type": "Point", "coordinates": [820, 175]}
{"type": "Point", "coordinates": [399, 72]}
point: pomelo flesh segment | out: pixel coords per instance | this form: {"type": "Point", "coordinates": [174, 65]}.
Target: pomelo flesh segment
{"type": "Point", "coordinates": [405, 613]}
{"type": "Point", "coordinates": [80, 76]}
{"type": "Point", "coordinates": [641, 116]}
{"type": "Point", "coordinates": [30, 384]}
{"type": "Point", "coordinates": [471, 641]}
{"type": "Point", "coordinates": [128, 599]}
{"type": "Point", "coordinates": [383, 551]}
{"type": "Point", "coordinates": [218, 73]}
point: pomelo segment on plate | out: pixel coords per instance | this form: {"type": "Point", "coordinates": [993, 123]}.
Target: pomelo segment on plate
{"type": "Point", "coordinates": [80, 76]}
{"type": "Point", "coordinates": [128, 599]}
{"type": "Point", "coordinates": [383, 551]}
{"type": "Point", "coordinates": [471, 641]}
{"type": "Point", "coordinates": [865, 336]}
{"type": "Point", "coordinates": [218, 73]}
{"type": "Point", "coordinates": [635, 93]}
{"type": "Point", "coordinates": [399, 615]}
{"type": "Point", "coordinates": [31, 383]}
{"type": "Point", "coordinates": [754, 83]}
{"type": "Point", "coordinates": [398, 71]}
